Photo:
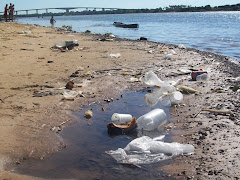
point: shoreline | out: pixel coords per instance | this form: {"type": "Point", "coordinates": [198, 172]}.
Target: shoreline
{"type": "Point", "coordinates": [37, 115]}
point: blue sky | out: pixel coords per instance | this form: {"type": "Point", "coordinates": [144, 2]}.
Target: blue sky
{"type": "Point", "coordinates": [33, 4]}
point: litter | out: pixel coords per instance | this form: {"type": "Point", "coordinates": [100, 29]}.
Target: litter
{"type": "Point", "coordinates": [66, 44]}
{"type": "Point", "coordinates": [88, 114]}
{"type": "Point", "coordinates": [151, 79]}
{"type": "Point", "coordinates": [145, 150]}
{"type": "Point", "coordinates": [166, 93]}
{"type": "Point", "coordinates": [187, 89]}
{"type": "Point", "coordinates": [151, 120]}
{"type": "Point", "coordinates": [121, 118]}
{"type": "Point", "coordinates": [195, 74]}
{"type": "Point", "coordinates": [168, 56]}
{"type": "Point", "coordinates": [26, 32]}
{"type": "Point", "coordinates": [70, 95]}
{"type": "Point", "coordinates": [172, 52]}
{"type": "Point", "coordinates": [176, 98]}
{"type": "Point", "coordinates": [184, 70]}
{"type": "Point", "coordinates": [123, 128]}
{"type": "Point", "coordinates": [202, 77]}
{"type": "Point", "coordinates": [69, 85]}
{"type": "Point", "coordinates": [115, 55]}
{"type": "Point", "coordinates": [133, 80]}
{"type": "Point", "coordinates": [181, 46]}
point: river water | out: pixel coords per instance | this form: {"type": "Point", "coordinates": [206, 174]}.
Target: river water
{"type": "Point", "coordinates": [216, 32]}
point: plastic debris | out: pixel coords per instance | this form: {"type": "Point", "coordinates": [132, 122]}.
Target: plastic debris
{"type": "Point", "coordinates": [121, 118]}
{"type": "Point", "coordinates": [26, 32]}
{"type": "Point", "coordinates": [181, 46]}
{"type": "Point", "coordinates": [166, 93]}
{"type": "Point", "coordinates": [132, 79]}
{"type": "Point", "coordinates": [184, 70]}
{"type": "Point", "coordinates": [69, 85]}
{"type": "Point", "coordinates": [123, 128]}
{"type": "Point", "coordinates": [117, 55]}
{"type": "Point", "coordinates": [145, 150]}
{"type": "Point", "coordinates": [151, 120]}
{"type": "Point", "coordinates": [172, 52]}
{"type": "Point", "coordinates": [70, 95]}
{"type": "Point", "coordinates": [202, 77]}
{"type": "Point", "coordinates": [187, 89]}
{"type": "Point", "coordinates": [168, 56]}
{"type": "Point", "coordinates": [195, 74]}
{"type": "Point", "coordinates": [66, 44]}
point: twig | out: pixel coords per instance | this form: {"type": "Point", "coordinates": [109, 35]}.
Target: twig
{"type": "Point", "coordinates": [197, 114]}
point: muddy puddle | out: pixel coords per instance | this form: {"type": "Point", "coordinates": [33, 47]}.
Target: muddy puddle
{"type": "Point", "coordinates": [88, 140]}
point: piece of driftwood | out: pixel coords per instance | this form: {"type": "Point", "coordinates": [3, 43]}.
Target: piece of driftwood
{"type": "Point", "coordinates": [218, 111]}
{"type": "Point", "coordinates": [122, 129]}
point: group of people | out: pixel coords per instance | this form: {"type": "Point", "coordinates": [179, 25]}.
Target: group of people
{"type": "Point", "coordinates": [9, 12]}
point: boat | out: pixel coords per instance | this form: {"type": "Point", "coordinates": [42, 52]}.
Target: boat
{"type": "Point", "coordinates": [119, 24]}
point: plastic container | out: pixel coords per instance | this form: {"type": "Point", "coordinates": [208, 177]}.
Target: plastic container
{"type": "Point", "coordinates": [194, 74]}
{"type": "Point", "coordinates": [176, 97]}
{"type": "Point", "coordinates": [70, 95]}
{"type": "Point", "coordinates": [151, 79]}
{"type": "Point", "coordinates": [202, 77]}
{"type": "Point", "coordinates": [151, 120]}
{"type": "Point", "coordinates": [121, 118]}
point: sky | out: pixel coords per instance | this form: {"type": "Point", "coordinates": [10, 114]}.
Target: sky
{"type": "Point", "coordinates": [135, 4]}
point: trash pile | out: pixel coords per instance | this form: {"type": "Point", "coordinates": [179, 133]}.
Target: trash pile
{"type": "Point", "coordinates": [145, 150]}
{"type": "Point", "coordinates": [166, 93]}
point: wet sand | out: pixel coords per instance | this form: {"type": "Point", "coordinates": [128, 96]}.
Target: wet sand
{"type": "Point", "coordinates": [30, 68]}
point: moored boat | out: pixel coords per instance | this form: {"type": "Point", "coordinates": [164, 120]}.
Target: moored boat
{"type": "Point", "coordinates": [119, 24]}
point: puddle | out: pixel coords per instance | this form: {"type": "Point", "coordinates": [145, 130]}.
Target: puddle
{"type": "Point", "coordinates": [86, 143]}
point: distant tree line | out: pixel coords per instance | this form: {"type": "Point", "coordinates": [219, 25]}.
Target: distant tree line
{"type": "Point", "coordinates": [175, 8]}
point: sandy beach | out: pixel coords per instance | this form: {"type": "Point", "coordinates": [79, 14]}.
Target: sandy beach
{"type": "Point", "coordinates": [31, 100]}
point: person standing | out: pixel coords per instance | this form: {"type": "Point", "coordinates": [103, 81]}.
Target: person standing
{"type": "Point", "coordinates": [6, 13]}
{"type": "Point", "coordinates": [12, 13]}
{"type": "Point", "coordinates": [52, 21]}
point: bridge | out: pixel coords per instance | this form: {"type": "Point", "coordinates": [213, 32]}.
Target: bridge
{"type": "Point", "coordinates": [67, 9]}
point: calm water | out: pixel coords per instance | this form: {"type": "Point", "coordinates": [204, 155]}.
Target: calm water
{"type": "Point", "coordinates": [86, 143]}
{"type": "Point", "coordinates": [210, 31]}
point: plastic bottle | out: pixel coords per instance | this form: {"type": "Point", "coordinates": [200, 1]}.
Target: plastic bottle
{"type": "Point", "coordinates": [121, 118]}
{"type": "Point", "coordinates": [151, 120]}
{"type": "Point", "coordinates": [176, 97]}
{"type": "Point", "coordinates": [202, 77]}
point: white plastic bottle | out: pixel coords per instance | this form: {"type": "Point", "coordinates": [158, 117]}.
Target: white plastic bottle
{"type": "Point", "coordinates": [121, 118]}
{"type": "Point", "coordinates": [151, 120]}
{"type": "Point", "coordinates": [176, 98]}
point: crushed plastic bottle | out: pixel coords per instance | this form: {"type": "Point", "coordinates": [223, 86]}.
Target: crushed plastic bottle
{"type": "Point", "coordinates": [151, 79]}
{"type": "Point", "coordinates": [151, 120]}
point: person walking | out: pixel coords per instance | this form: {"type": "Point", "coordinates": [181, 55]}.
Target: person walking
{"type": "Point", "coordinates": [6, 13]}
